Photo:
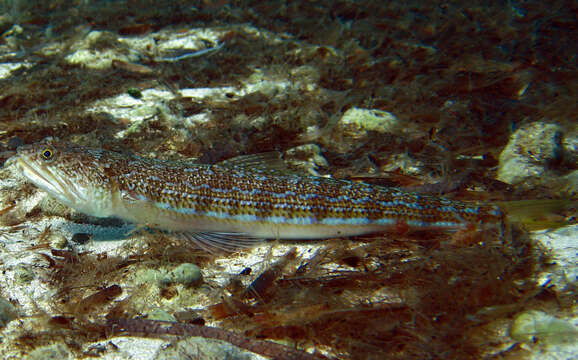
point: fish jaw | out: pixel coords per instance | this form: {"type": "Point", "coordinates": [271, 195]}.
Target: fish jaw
{"type": "Point", "coordinates": [63, 182]}
{"type": "Point", "coordinates": [45, 180]}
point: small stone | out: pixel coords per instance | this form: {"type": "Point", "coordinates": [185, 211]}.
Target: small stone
{"type": "Point", "coordinates": [57, 241]}
{"type": "Point", "coordinates": [355, 126]}
{"type": "Point", "coordinates": [185, 274]}
{"type": "Point", "coordinates": [161, 315]}
{"type": "Point", "coordinates": [368, 120]}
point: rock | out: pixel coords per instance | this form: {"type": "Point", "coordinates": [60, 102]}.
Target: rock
{"type": "Point", "coordinates": [57, 241]}
{"type": "Point", "coordinates": [533, 157]}
{"type": "Point", "coordinates": [185, 274]}
{"type": "Point", "coordinates": [161, 314]}
{"type": "Point", "coordinates": [353, 129]}
{"type": "Point", "coordinates": [98, 49]}
{"type": "Point", "coordinates": [562, 276]}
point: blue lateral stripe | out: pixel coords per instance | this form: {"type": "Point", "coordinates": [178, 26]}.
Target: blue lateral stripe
{"type": "Point", "coordinates": [330, 221]}
{"type": "Point", "coordinates": [345, 221]}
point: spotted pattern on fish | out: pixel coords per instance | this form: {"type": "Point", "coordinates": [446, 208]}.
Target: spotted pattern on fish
{"type": "Point", "coordinates": [233, 198]}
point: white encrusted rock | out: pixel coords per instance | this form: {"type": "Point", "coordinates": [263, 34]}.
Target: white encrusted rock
{"type": "Point", "coordinates": [98, 49]}
{"type": "Point", "coordinates": [533, 154]}
{"type": "Point", "coordinates": [353, 129]}
{"type": "Point", "coordinates": [552, 334]}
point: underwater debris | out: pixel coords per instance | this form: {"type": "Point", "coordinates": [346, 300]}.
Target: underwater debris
{"type": "Point", "coordinates": [378, 288]}
{"type": "Point", "coordinates": [190, 54]}
{"type": "Point", "coordinates": [260, 289]}
{"type": "Point", "coordinates": [132, 68]}
{"type": "Point", "coordinates": [7, 209]}
{"type": "Point", "coordinates": [101, 297]}
{"type": "Point", "coordinates": [77, 273]}
{"type": "Point", "coordinates": [153, 327]}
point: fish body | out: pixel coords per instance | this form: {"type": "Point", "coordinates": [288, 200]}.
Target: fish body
{"type": "Point", "coordinates": [240, 200]}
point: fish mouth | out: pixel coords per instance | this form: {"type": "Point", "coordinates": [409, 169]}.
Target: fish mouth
{"type": "Point", "coordinates": [43, 177]}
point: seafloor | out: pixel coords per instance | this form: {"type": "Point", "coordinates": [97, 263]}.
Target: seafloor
{"type": "Point", "coordinates": [474, 100]}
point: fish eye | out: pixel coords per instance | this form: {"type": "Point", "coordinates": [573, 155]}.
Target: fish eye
{"type": "Point", "coordinates": [47, 154]}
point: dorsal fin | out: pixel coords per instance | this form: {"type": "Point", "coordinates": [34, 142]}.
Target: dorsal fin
{"type": "Point", "coordinates": [268, 162]}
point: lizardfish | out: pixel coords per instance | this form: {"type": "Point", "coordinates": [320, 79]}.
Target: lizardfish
{"type": "Point", "coordinates": [236, 202]}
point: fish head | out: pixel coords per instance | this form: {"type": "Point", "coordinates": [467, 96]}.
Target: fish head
{"type": "Point", "coordinates": [73, 175]}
